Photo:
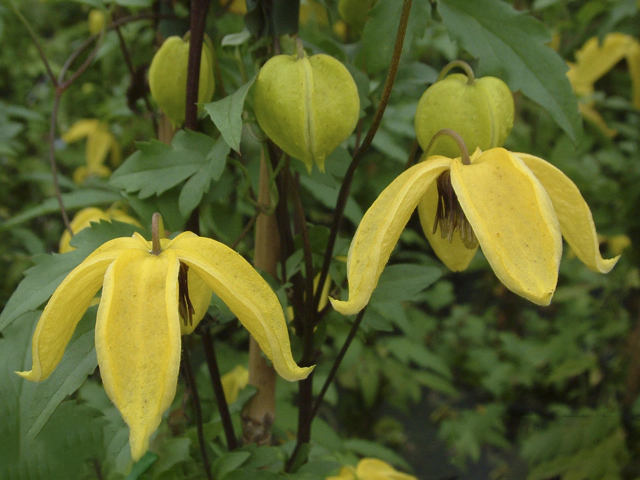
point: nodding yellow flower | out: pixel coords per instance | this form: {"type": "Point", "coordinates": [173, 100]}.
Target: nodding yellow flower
{"type": "Point", "coordinates": [371, 469]}
{"type": "Point", "coordinates": [83, 219]}
{"type": "Point", "coordinates": [593, 61]}
{"type": "Point", "coordinates": [100, 141]}
{"type": "Point", "coordinates": [515, 206]}
{"type": "Point", "coordinates": [147, 292]}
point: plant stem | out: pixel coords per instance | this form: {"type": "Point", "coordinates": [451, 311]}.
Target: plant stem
{"type": "Point", "coordinates": [325, 386]}
{"type": "Point", "coordinates": [216, 382]}
{"type": "Point", "coordinates": [197, 20]}
{"type": "Point", "coordinates": [259, 413]}
{"type": "Point", "coordinates": [52, 161]}
{"type": "Point", "coordinates": [458, 63]}
{"type": "Point", "coordinates": [191, 384]}
{"type": "Point", "coordinates": [343, 195]}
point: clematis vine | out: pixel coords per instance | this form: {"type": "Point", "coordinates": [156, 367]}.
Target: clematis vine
{"type": "Point", "coordinates": [515, 206]}
{"type": "Point", "coordinates": [151, 291]}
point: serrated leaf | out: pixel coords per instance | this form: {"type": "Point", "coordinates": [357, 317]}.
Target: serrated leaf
{"type": "Point", "coordinates": [512, 46]}
{"type": "Point", "coordinates": [43, 278]}
{"type": "Point", "coordinates": [228, 462]}
{"type": "Point", "coordinates": [78, 362]}
{"type": "Point", "coordinates": [72, 435]}
{"type": "Point", "coordinates": [402, 282]}
{"type": "Point", "coordinates": [157, 167]}
{"type": "Point", "coordinates": [227, 115]}
{"type": "Point", "coordinates": [171, 451]}
{"type": "Point", "coordinates": [71, 200]}
{"type": "Point", "coordinates": [199, 183]}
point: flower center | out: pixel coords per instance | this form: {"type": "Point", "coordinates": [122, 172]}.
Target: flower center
{"type": "Point", "coordinates": [185, 307]}
{"type": "Point", "coordinates": [450, 216]}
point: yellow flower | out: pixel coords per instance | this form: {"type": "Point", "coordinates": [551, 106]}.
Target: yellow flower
{"type": "Point", "coordinates": [593, 61]}
{"type": "Point", "coordinates": [371, 469]}
{"type": "Point", "coordinates": [234, 381]}
{"type": "Point", "coordinates": [83, 219]}
{"type": "Point", "coordinates": [515, 206]}
{"type": "Point", "coordinates": [100, 141]}
{"type": "Point", "coordinates": [137, 331]}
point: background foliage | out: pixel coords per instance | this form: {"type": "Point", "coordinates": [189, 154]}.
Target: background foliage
{"type": "Point", "coordinates": [450, 375]}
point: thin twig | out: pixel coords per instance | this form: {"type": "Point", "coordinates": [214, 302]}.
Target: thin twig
{"type": "Point", "coordinates": [245, 230]}
{"type": "Point", "coordinates": [216, 382]}
{"type": "Point", "coordinates": [345, 188]}
{"type": "Point", "coordinates": [34, 37]}
{"type": "Point", "coordinates": [191, 385]}
{"type": "Point", "coordinates": [52, 161]}
{"type": "Point", "coordinates": [413, 153]}
{"type": "Point", "coordinates": [327, 384]}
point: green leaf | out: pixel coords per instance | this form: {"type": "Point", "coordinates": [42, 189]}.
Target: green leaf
{"type": "Point", "coordinates": [133, 3]}
{"type": "Point", "coordinates": [227, 115]}
{"type": "Point", "coordinates": [72, 435]}
{"type": "Point", "coordinates": [43, 278]}
{"type": "Point", "coordinates": [200, 182]}
{"type": "Point", "coordinates": [379, 35]}
{"type": "Point", "coordinates": [511, 45]}
{"type": "Point", "coordinates": [157, 167]}
{"type": "Point", "coordinates": [402, 282]}
{"type": "Point", "coordinates": [71, 200]}
{"type": "Point", "coordinates": [78, 362]}
{"type": "Point", "coordinates": [228, 462]}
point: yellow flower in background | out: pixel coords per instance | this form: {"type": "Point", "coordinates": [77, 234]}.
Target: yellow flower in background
{"type": "Point", "coordinates": [515, 206]}
{"type": "Point", "coordinates": [310, 9]}
{"type": "Point", "coordinates": [83, 219]}
{"type": "Point", "coordinates": [371, 469]}
{"type": "Point", "coordinates": [233, 382]}
{"type": "Point", "coordinates": [239, 7]}
{"type": "Point", "coordinates": [96, 21]}
{"type": "Point", "coordinates": [593, 61]}
{"type": "Point", "coordinates": [146, 288]}
{"type": "Point", "coordinates": [100, 142]}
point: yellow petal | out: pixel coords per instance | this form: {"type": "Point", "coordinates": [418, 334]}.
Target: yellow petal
{"type": "Point", "coordinates": [66, 307]}
{"type": "Point", "coordinates": [513, 219]}
{"type": "Point", "coordinates": [81, 220]}
{"type": "Point", "coordinates": [138, 340]}
{"type": "Point", "coordinates": [452, 253]}
{"type": "Point", "coordinates": [576, 222]}
{"type": "Point", "coordinates": [591, 115]}
{"type": "Point", "coordinates": [246, 293]}
{"type": "Point", "coordinates": [233, 382]}
{"type": "Point", "coordinates": [594, 60]}
{"type": "Point", "coordinates": [380, 228]}
{"type": "Point", "coordinates": [200, 296]}
{"type": "Point", "coordinates": [99, 143]}
{"type": "Point", "coordinates": [80, 129]}
{"type": "Point", "coordinates": [346, 473]}
{"type": "Point", "coordinates": [374, 469]}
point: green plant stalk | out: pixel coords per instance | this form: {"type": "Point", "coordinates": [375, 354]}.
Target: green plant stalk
{"type": "Point", "coordinates": [259, 413]}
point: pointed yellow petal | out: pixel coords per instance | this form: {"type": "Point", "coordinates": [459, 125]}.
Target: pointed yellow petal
{"type": "Point", "coordinates": [98, 145]}
{"type": "Point", "coordinates": [452, 253]}
{"type": "Point", "coordinates": [513, 218]}
{"type": "Point", "coordinates": [245, 292]}
{"type": "Point", "coordinates": [594, 60]}
{"type": "Point", "coordinates": [380, 229]}
{"type": "Point", "coordinates": [66, 307]}
{"type": "Point", "coordinates": [576, 222]}
{"type": "Point", "coordinates": [374, 469]}
{"type": "Point", "coordinates": [81, 220]}
{"type": "Point", "coordinates": [591, 115]}
{"type": "Point", "coordinates": [80, 129]}
{"type": "Point", "coordinates": [138, 340]}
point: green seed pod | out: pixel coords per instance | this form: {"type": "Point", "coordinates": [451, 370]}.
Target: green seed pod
{"type": "Point", "coordinates": [480, 111]}
{"type": "Point", "coordinates": [168, 77]}
{"type": "Point", "coordinates": [355, 12]}
{"type": "Point", "coordinates": [306, 105]}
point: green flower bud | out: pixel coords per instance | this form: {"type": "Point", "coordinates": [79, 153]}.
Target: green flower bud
{"type": "Point", "coordinates": [168, 77]}
{"type": "Point", "coordinates": [306, 105]}
{"type": "Point", "coordinates": [480, 111]}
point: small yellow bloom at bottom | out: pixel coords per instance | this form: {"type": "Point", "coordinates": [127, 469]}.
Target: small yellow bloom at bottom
{"type": "Point", "coordinates": [233, 382]}
{"type": "Point", "coordinates": [371, 469]}
{"type": "Point", "coordinates": [83, 219]}
{"type": "Point", "coordinates": [138, 324]}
